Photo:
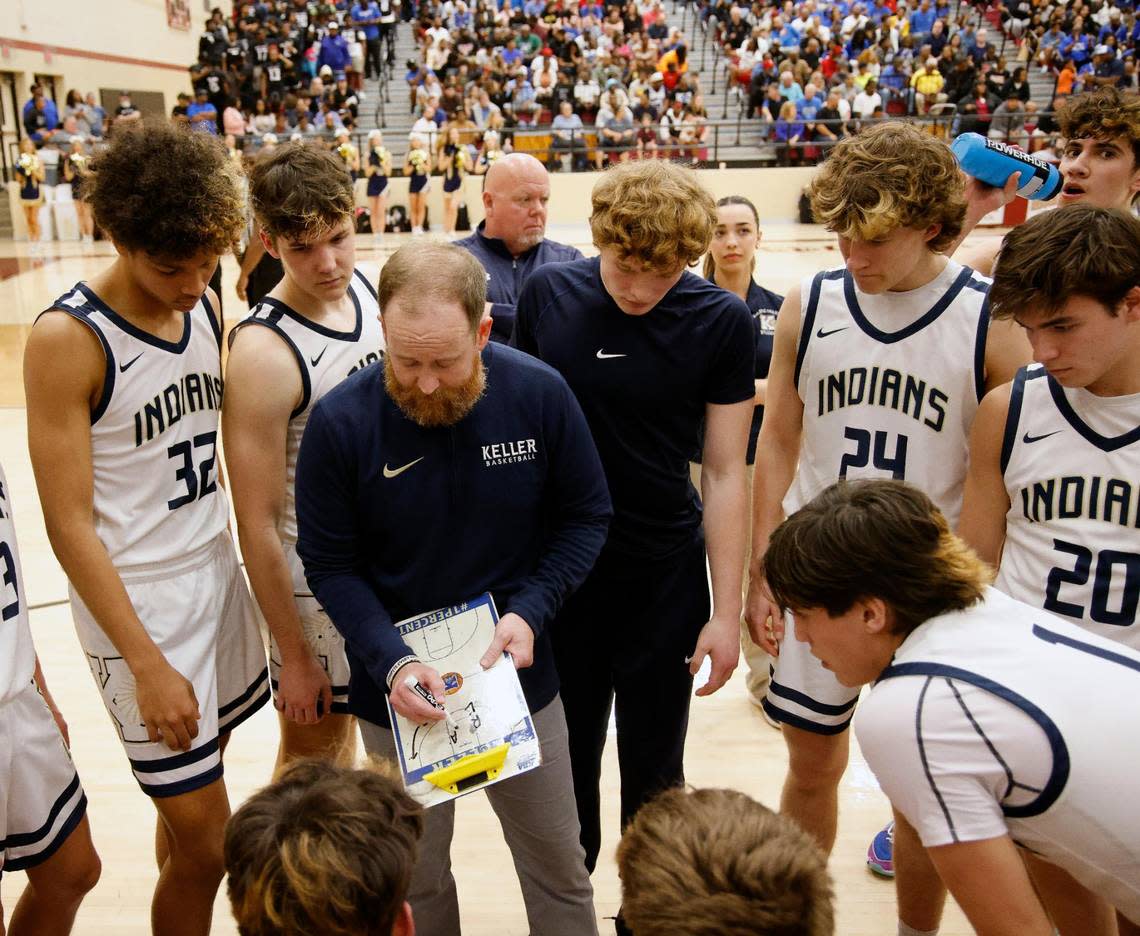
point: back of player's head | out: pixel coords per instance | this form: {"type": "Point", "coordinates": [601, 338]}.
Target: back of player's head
{"type": "Point", "coordinates": [324, 849]}
{"type": "Point", "coordinates": [1080, 251]}
{"type": "Point", "coordinates": [889, 176]}
{"type": "Point", "coordinates": [435, 270]}
{"type": "Point", "coordinates": [161, 188]}
{"type": "Point", "coordinates": [1102, 114]}
{"type": "Point", "coordinates": [653, 211]}
{"type": "Point", "coordinates": [300, 192]}
{"type": "Point", "coordinates": [858, 540]}
{"type": "Point", "coordinates": [717, 863]}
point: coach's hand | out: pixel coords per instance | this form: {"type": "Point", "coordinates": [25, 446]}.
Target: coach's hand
{"type": "Point", "coordinates": [408, 702]}
{"type": "Point", "coordinates": [167, 705]}
{"type": "Point", "coordinates": [765, 621]}
{"type": "Point", "coordinates": [513, 635]}
{"type": "Point", "coordinates": [720, 640]}
{"type": "Point", "coordinates": [301, 684]}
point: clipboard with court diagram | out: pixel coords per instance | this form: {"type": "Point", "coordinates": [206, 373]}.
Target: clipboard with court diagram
{"type": "Point", "coordinates": [491, 736]}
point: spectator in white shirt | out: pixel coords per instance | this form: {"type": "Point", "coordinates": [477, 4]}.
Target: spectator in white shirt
{"type": "Point", "coordinates": [867, 100]}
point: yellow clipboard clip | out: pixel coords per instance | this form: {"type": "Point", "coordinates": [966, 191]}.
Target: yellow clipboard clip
{"type": "Point", "coordinates": [470, 771]}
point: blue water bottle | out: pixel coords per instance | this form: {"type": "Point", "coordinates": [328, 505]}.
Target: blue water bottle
{"type": "Point", "coordinates": [993, 163]}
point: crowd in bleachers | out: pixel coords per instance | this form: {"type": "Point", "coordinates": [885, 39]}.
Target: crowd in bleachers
{"type": "Point", "coordinates": [611, 81]}
{"type": "Point", "coordinates": [812, 71]}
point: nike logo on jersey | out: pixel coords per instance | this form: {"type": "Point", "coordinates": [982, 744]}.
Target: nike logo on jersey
{"type": "Point", "coordinates": [123, 367]}
{"type": "Point", "coordinates": [823, 334]}
{"type": "Point", "coordinates": [317, 360]}
{"type": "Point", "coordinates": [1029, 440]}
{"type": "Point", "coordinates": [395, 472]}
{"type": "Point", "coordinates": [602, 356]}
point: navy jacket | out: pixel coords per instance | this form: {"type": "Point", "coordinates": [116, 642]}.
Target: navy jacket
{"type": "Point", "coordinates": [506, 274]}
{"type": "Point", "coordinates": [394, 519]}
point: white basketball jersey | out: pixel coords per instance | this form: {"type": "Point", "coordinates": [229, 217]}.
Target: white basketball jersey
{"type": "Point", "coordinates": [325, 358]}
{"type": "Point", "coordinates": [17, 657]}
{"type": "Point", "coordinates": [1071, 463]}
{"type": "Point", "coordinates": [154, 434]}
{"type": "Point", "coordinates": [890, 383]}
{"type": "Point", "coordinates": [1081, 691]}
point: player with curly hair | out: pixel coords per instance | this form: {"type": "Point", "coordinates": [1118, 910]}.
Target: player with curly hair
{"type": "Point", "coordinates": [124, 386]}
{"type": "Point", "coordinates": [1100, 162]}
{"type": "Point", "coordinates": [653, 352]}
{"type": "Point", "coordinates": [877, 371]}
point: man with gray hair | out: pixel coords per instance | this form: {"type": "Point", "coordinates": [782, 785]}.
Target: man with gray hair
{"type": "Point", "coordinates": [511, 240]}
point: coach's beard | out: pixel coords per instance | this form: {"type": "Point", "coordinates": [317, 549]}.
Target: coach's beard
{"type": "Point", "coordinates": [446, 406]}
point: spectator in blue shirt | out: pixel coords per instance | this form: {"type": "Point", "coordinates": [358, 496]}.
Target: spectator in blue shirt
{"type": "Point", "coordinates": [366, 16]}
{"type": "Point", "coordinates": [48, 118]}
{"type": "Point", "coordinates": [922, 20]}
{"type": "Point", "coordinates": [334, 50]}
{"type": "Point", "coordinates": [203, 116]}
{"type": "Point", "coordinates": [96, 115]}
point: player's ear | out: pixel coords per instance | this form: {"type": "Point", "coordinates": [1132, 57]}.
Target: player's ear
{"type": "Point", "coordinates": [1131, 305]}
{"type": "Point", "coordinates": [932, 232]}
{"type": "Point", "coordinates": [267, 243]}
{"type": "Point", "coordinates": [404, 925]}
{"type": "Point", "coordinates": [876, 615]}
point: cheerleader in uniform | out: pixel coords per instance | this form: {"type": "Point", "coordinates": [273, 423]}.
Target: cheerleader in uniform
{"type": "Point", "coordinates": [377, 170]}
{"type": "Point", "coordinates": [417, 164]}
{"type": "Point", "coordinates": [30, 176]}
{"type": "Point", "coordinates": [491, 152]}
{"type": "Point", "coordinates": [75, 169]}
{"type": "Point", "coordinates": [349, 153]}
{"type": "Point", "coordinates": [454, 163]}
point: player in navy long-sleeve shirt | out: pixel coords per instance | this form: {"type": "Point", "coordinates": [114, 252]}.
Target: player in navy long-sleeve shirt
{"type": "Point", "coordinates": [511, 241]}
{"type": "Point", "coordinates": [457, 467]}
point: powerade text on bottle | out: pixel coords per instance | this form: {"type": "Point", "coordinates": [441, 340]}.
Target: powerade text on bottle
{"type": "Point", "coordinates": [993, 163]}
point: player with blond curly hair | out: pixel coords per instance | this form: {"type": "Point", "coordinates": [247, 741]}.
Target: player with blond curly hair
{"type": "Point", "coordinates": [877, 371]}
{"type": "Point", "coordinates": [652, 352]}
{"type": "Point", "coordinates": [124, 385]}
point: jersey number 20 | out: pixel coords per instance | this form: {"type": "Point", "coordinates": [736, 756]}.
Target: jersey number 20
{"type": "Point", "coordinates": [1106, 563]}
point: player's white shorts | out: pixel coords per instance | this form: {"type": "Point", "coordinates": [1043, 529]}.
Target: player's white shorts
{"type": "Point", "coordinates": [200, 614]}
{"type": "Point", "coordinates": [41, 801]}
{"type": "Point", "coordinates": [325, 640]}
{"type": "Point", "coordinates": [805, 695]}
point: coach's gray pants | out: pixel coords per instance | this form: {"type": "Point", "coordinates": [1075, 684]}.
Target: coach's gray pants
{"type": "Point", "coordinates": [540, 824]}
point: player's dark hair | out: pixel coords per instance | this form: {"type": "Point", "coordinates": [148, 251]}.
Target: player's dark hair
{"type": "Point", "coordinates": [300, 191]}
{"type": "Point", "coordinates": [1081, 251]}
{"type": "Point", "coordinates": [324, 849]}
{"type": "Point", "coordinates": [859, 540]}
{"type": "Point", "coordinates": [163, 189]}
{"type": "Point", "coordinates": [1102, 114]}
{"type": "Point", "coordinates": [717, 863]}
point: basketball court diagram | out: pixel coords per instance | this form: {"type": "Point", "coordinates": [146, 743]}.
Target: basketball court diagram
{"type": "Point", "coordinates": [486, 708]}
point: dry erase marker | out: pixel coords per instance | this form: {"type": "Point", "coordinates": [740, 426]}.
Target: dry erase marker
{"type": "Point", "coordinates": [424, 693]}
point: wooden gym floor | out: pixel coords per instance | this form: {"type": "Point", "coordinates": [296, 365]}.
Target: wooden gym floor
{"type": "Point", "coordinates": [729, 743]}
